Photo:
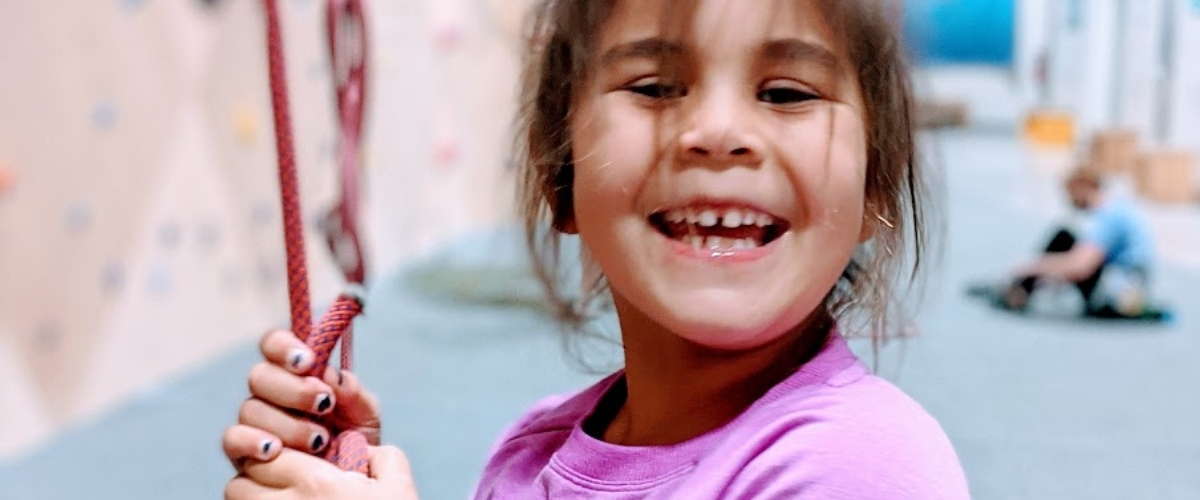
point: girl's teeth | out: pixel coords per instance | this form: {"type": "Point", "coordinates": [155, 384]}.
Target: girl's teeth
{"type": "Point", "coordinates": [710, 218]}
{"type": "Point", "coordinates": [733, 218]}
{"type": "Point", "coordinates": [718, 243]}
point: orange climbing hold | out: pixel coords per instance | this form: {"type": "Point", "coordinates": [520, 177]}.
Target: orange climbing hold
{"type": "Point", "coordinates": [8, 178]}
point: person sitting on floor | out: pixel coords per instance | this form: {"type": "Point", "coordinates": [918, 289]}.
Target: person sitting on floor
{"type": "Point", "coordinates": [1109, 260]}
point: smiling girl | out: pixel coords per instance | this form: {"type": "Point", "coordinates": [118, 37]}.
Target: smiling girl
{"type": "Point", "coordinates": [742, 173]}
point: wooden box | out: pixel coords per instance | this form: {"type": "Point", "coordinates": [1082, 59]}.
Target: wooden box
{"type": "Point", "coordinates": [1167, 177]}
{"type": "Point", "coordinates": [1115, 151]}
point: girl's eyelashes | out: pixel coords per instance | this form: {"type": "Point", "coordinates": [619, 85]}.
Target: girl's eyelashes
{"type": "Point", "coordinates": [786, 95]}
{"type": "Point", "coordinates": [657, 90]}
{"type": "Point", "coordinates": [780, 95]}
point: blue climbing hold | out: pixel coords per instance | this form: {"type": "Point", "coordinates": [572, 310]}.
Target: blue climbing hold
{"type": "Point", "coordinates": [104, 115]}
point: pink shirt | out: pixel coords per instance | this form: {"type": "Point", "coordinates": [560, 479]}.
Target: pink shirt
{"type": "Point", "coordinates": [830, 431]}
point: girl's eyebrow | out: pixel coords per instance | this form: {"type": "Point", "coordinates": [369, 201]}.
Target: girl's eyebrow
{"type": "Point", "coordinates": [796, 50]}
{"type": "Point", "coordinates": [647, 48]}
{"type": "Point", "coordinates": [781, 50]}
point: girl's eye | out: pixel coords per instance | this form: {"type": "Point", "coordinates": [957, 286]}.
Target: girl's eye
{"type": "Point", "coordinates": [658, 90]}
{"type": "Point", "coordinates": [785, 95]}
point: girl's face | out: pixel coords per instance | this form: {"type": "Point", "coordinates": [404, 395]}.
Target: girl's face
{"type": "Point", "coordinates": [723, 203]}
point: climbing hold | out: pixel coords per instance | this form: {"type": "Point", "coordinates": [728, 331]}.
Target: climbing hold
{"type": "Point", "coordinates": [262, 213]}
{"type": "Point", "coordinates": [78, 217]}
{"type": "Point", "coordinates": [47, 336]}
{"type": "Point", "coordinates": [328, 149]}
{"type": "Point", "coordinates": [268, 273]}
{"type": "Point", "coordinates": [104, 115]}
{"type": "Point", "coordinates": [445, 153]}
{"type": "Point", "coordinates": [168, 235]}
{"type": "Point", "coordinates": [447, 36]}
{"type": "Point", "coordinates": [112, 278]}
{"type": "Point", "coordinates": [132, 5]}
{"type": "Point", "coordinates": [318, 70]}
{"type": "Point", "coordinates": [8, 178]}
{"type": "Point", "coordinates": [159, 279]}
{"type": "Point", "coordinates": [209, 235]}
{"type": "Point", "coordinates": [245, 124]}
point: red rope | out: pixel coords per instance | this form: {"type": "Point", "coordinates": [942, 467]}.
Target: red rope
{"type": "Point", "coordinates": [346, 28]}
{"type": "Point", "coordinates": [347, 449]}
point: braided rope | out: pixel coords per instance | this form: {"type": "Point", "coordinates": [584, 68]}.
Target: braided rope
{"type": "Point", "coordinates": [347, 449]}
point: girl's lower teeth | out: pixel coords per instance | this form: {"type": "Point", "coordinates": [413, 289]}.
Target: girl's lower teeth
{"type": "Point", "coordinates": [719, 243]}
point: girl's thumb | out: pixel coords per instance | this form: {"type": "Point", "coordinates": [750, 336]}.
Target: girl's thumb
{"type": "Point", "coordinates": [389, 465]}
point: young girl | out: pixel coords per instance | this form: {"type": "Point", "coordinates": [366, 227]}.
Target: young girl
{"type": "Point", "coordinates": [742, 174]}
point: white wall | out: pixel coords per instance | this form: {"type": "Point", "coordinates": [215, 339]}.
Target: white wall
{"type": "Point", "coordinates": [1140, 68]}
{"type": "Point", "coordinates": [1183, 122]}
{"type": "Point", "coordinates": [1032, 40]}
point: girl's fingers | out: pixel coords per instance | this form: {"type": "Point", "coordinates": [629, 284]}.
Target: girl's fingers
{"type": "Point", "coordinates": [242, 442]}
{"type": "Point", "coordinates": [275, 385]}
{"type": "Point", "coordinates": [390, 465]}
{"type": "Point", "coordinates": [283, 348]}
{"type": "Point", "coordinates": [296, 432]}
{"type": "Point", "coordinates": [242, 488]}
{"type": "Point", "coordinates": [307, 476]}
{"type": "Point", "coordinates": [357, 408]}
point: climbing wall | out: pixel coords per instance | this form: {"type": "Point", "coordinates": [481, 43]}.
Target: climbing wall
{"type": "Point", "coordinates": [139, 225]}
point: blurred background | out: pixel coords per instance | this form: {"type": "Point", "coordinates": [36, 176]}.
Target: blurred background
{"type": "Point", "coordinates": [141, 255]}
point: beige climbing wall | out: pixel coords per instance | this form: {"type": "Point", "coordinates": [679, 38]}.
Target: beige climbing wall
{"type": "Point", "coordinates": [139, 222]}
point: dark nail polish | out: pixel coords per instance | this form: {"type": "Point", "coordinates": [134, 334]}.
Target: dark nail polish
{"type": "Point", "coordinates": [318, 442]}
{"type": "Point", "coordinates": [296, 360]}
{"type": "Point", "coordinates": [340, 379]}
{"type": "Point", "coordinates": [266, 447]}
{"type": "Point", "coordinates": [324, 402]}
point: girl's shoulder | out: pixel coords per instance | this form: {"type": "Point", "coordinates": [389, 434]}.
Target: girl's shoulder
{"type": "Point", "coordinates": [827, 437]}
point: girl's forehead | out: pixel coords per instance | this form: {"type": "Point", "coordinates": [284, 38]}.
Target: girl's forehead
{"type": "Point", "coordinates": [706, 25]}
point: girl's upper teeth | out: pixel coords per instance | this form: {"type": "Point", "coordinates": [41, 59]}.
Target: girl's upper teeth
{"type": "Point", "coordinates": [730, 218]}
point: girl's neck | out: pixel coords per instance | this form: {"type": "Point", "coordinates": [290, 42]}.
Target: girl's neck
{"type": "Point", "coordinates": [677, 390]}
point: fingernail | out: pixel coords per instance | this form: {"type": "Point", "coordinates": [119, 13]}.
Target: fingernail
{"type": "Point", "coordinates": [298, 359]}
{"type": "Point", "coordinates": [340, 378]}
{"type": "Point", "coordinates": [264, 449]}
{"type": "Point", "coordinates": [318, 442]}
{"type": "Point", "coordinates": [324, 404]}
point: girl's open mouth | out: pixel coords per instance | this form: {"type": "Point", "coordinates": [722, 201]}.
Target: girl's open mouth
{"type": "Point", "coordinates": [719, 229]}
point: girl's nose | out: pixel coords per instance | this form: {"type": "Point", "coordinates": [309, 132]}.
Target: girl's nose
{"type": "Point", "coordinates": [719, 132]}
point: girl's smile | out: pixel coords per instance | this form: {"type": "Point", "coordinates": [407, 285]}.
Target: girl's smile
{"type": "Point", "coordinates": [719, 230]}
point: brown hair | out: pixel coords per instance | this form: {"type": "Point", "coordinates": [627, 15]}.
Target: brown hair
{"type": "Point", "coordinates": [1086, 173]}
{"type": "Point", "coordinates": [560, 50]}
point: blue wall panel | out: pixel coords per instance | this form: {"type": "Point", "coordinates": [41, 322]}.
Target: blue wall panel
{"type": "Point", "coordinates": [961, 31]}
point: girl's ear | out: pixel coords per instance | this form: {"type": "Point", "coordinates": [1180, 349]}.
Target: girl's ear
{"type": "Point", "coordinates": [868, 229]}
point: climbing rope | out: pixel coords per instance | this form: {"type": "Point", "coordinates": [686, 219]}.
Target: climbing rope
{"type": "Point", "coordinates": [348, 449]}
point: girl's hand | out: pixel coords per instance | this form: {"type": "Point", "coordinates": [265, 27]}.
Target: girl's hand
{"type": "Point", "coordinates": [295, 476]}
{"type": "Point", "coordinates": [283, 403]}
